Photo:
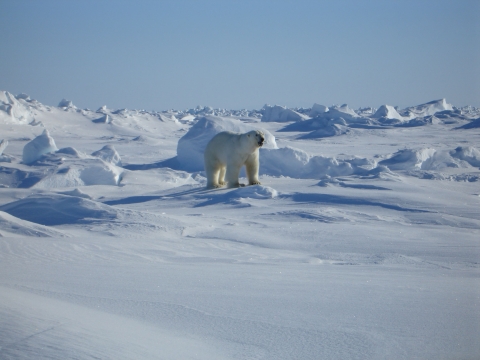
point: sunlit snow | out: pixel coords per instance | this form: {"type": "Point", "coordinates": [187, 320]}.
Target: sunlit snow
{"type": "Point", "coordinates": [362, 242]}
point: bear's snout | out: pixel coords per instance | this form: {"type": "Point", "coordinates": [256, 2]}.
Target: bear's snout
{"type": "Point", "coordinates": [260, 142]}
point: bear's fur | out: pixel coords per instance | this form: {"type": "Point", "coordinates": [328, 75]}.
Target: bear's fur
{"type": "Point", "coordinates": [225, 155]}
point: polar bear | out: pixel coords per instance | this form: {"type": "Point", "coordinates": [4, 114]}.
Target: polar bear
{"type": "Point", "coordinates": [227, 152]}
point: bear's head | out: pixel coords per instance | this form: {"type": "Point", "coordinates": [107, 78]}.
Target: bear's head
{"type": "Point", "coordinates": [257, 137]}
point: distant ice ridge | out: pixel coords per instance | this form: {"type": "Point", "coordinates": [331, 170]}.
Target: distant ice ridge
{"type": "Point", "coordinates": [387, 112]}
{"type": "Point", "coordinates": [427, 109]}
{"type": "Point", "coordinates": [191, 146]}
{"type": "Point", "coordinates": [280, 114]}
{"type": "Point", "coordinates": [15, 109]}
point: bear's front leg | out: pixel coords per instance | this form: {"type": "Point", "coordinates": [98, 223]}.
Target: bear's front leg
{"type": "Point", "coordinates": [251, 166]}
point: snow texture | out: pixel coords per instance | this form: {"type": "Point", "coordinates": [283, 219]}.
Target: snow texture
{"type": "Point", "coordinates": [361, 242]}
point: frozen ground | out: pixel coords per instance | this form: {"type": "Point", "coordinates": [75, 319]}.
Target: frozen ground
{"type": "Point", "coordinates": [361, 243]}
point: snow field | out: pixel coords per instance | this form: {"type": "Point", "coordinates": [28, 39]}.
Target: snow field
{"type": "Point", "coordinates": [362, 244]}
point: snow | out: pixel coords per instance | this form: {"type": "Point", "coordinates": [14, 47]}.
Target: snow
{"type": "Point", "coordinates": [361, 243]}
{"type": "Point", "coordinates": [387, 112]}
{"type": "Point", "coordinates": [280, 114]}
{"type": "Point", "coordinates": [13, 110]}
{"type": "Point", "coordinates": [109, 154]}
{"type": "Point", "coordinates": [317, 109]}
{"type": "Point", "coordinates": [429, 108]}
{"type": "Point", "coordinates": [42, 144]}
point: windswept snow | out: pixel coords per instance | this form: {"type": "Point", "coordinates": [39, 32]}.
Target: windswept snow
{"type": "Point", "coordinates": [362, 242]}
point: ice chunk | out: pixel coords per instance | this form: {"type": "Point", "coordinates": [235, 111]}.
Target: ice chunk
{"type": "Point", "coordinates": [67, 104]}
{"type": "Point", "coordinates": [280, 114]}
{"type": "Point", "coordinates": [387, 112]}
{"type": "Point", "coordinates": [109, 154]}
{"type": "Point", "coordinates": [11, 109]}
{"type": "Point", "coordinates": [3, 146]}
{"type": "Point", "coordinates": [317, 109]}
{"type": "Point", "coordinates": [42, 144]}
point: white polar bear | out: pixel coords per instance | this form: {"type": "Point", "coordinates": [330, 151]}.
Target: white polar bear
{"type": "Point", "coordinates": [227, 152]}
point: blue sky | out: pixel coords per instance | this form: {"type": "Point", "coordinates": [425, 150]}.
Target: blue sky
{"type": "Point", "coordinates": [157, 55]}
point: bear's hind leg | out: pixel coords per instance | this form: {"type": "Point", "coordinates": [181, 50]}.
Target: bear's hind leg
{"type": "Point", "coordinates": [212, 173]}
{"type": "Point", "coordinates": [221, 176]}
{"type": "Point", "coordinates": [232, 175]}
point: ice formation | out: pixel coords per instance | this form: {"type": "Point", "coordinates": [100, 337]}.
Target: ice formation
{"type": "Point", "coordinates": [42, 144]}
{"type": "Point", "coordinates": [108, 154]}
{"type": "Point", "coordinates": [280, 114]}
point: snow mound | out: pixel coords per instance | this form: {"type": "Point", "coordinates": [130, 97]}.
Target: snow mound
{"type": "Point", "coordinates": [327, 131]}
{"type": "Point", "coordinates": [387, 112]}
{"type": "Point", "coordinates": [42, 144]}
{"type": "Point", "coordinates": [468, 154]}
{"type": "Point", "coordinates": [191, 146]}
{"type": "Point", "coordinates": [316, 123]}
{"type": "Point", "coordinates": [14, 110]}
{"type": "Point", "coordinates": [317, 109]}
{"type": "Point", "coordinates": [82, 172]}
{"type": "Point", "coordinates": [76, 192]}
{"type": "Point", "coordinates": [280, 114]}
{"type": "Point", "coordinates": [108, 154]}
{"type": "Point", "coordinates": [255, 192]}
{"type": "Point", "coordinates": [343, 112]}
{"type": "Point", "coordinates": [13, 226]}
{"type": "Point", "coordinates": [56, 209]}
{"type": "Point", "coordinates": [431, 159]}
{"type": "Point", "coordinates": [408, 159]}
{"type": "Point", "coordinates": [296, 163]}
{"type": "Point", "coordinates": [427, 109]}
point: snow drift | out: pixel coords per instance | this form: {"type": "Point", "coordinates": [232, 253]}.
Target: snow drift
{"type": "Point", "coordinates": [13, 226]}
{"type": "Point", "coordinates": [296, 163]}
{"type": "Point", "coordinates": [56, 209]}
{"type": "Point", "coordinates": [431, 159]}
